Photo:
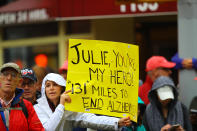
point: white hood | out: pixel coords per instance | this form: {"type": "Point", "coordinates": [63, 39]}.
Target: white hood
{"type": "Point", "coordinates": [49, 119]}
{"type": "Point", "coordinates": [58, 79]}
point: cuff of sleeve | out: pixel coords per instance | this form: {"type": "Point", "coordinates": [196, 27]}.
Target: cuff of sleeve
{"type": "Point", "coordinates": [178, 61]}
{"type": "Point", "coordinates": [60, 107]}
{"type": "Point", "coordinates": [179, 64]}
{"type": "Point", "coordinates": [194, 62]}
{"type": "Point", "coordinates": [116, 126]}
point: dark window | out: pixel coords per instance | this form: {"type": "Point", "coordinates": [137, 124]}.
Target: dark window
{"type": "Point", "coordinates": [24, 56]}
{"type": "Point", "coordinates": [78, 26]}
{"type": "Point", "coordinates": [30, 30]}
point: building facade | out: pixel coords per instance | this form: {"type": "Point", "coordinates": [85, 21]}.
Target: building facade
{"type": "Point", "coordinates": [29, 28]}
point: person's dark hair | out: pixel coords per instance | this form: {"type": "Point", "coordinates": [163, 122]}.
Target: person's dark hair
{"type": "Point", "coordinates": [63, 89]}
{"type": "Point", "coordinates": [142, 108]}
{"type": "Point", "coordinates": [51, 105]}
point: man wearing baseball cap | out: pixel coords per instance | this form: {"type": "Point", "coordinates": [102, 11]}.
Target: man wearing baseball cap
{"type": "Point", "coordinates": [165, 110]}
{"type": "Point", "coordinates": [155, 66]}
{"type": "Point", "coordinates": [29, 85]}
{"type": "Point", "coordinates": [12, 116]}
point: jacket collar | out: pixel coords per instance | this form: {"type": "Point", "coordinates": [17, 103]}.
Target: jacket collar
{"type": "Point", "coordinates": [18, 94]}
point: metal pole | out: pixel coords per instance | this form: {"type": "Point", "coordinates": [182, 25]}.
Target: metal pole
{"type": "Point", "coordinates": [187, 47]}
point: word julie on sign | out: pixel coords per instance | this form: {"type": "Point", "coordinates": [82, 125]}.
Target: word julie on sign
{"type": "Point", "coordinates": [103, 77]}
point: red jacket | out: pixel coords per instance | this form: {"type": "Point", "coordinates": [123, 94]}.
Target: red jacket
{"type": "Point", "coordinates": [144, 90]}
{"type": "Point", "coordinates": [17, 119]}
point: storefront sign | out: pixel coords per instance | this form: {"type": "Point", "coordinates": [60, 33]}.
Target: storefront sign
{"type": "Point", "coordinates": [35, 10]}
{"type": "Point", "coordinates": [108, 8]}
{"type": "Point", "coordinates": [139, 7]}
{"type": "Point", "coordinates": [23, 16]}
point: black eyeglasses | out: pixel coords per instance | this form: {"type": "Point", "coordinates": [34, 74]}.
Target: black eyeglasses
{"type": "Point", "coordinates": [6, 74]}
{"type": "Point", "coordinates": [29, 84]}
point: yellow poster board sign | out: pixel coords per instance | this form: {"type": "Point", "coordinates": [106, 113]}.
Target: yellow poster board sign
{"type": "Point", "coordinates": [103, 77]}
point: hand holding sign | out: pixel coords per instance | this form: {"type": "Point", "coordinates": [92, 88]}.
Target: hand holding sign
{"type": "Point", "coordinates": [65, 97]}
{"type": "Point", "coordinates": [124, 122]}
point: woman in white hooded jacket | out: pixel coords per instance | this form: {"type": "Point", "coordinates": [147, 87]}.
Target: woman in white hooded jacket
{"type": "Point", "coordinates": [50, 110]}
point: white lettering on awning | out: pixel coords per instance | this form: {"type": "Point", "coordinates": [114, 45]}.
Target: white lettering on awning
{"type": "Point", "coordinates": [7, 18]}
{"type": "Point", "coordinates": [23, 16]}
{"type": "Point", "coordinates": [39, 14]}
{"type": "Point", "coordinates": [141, 7]}
{"type": "Point", "coordinates": [123, 8]}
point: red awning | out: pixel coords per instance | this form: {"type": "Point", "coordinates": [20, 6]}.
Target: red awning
{"type": "Point", "coordinates": [35, 10]}
{"type": "Point", "coordinates": [77, 9]}
{"type": "Point", "coordinates": [21, 5]}
{"type": "Point", "coordinates": [27, 11]}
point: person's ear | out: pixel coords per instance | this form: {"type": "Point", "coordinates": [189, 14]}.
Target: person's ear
{"type": "Point", "coordinates": [170, 72]}
{"type": "Point", "coordinates": [154, 74]}
{"type": "Point", "coordinates": [20, 81]}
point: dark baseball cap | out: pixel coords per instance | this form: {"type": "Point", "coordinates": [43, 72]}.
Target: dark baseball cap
{"type": "Point", "coordinates": [28, 73]}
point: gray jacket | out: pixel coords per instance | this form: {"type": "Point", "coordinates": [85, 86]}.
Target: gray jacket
{"type": "Point", "coordinates": [177, 113]}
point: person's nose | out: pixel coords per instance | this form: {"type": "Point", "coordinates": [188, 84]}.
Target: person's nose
{"type": "Point", "coordinates": [25, 86]}
{"type": "Point", "coordinates": [51, 87]}
{"type": "Point", "coordinates": [9, 76]}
